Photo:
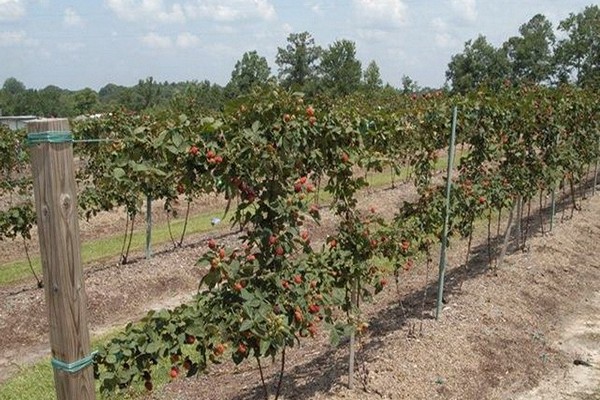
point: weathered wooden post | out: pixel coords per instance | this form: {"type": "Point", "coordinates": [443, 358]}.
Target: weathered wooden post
{"type": "Point", "coordinates": [56, 204]}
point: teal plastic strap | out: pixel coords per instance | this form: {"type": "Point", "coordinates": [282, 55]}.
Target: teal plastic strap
{"type": "Point", "coordinates": [49, 137]}
{"type": "Point", "coordinates": [94, 140]}
{"type": "Point", "coordinates": [75, 366]}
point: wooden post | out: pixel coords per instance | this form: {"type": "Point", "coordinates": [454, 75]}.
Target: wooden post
{"type": "Point", "coordinates": [58, 227]}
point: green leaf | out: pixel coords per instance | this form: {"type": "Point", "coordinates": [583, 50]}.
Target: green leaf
{"type": "Point", "coordinates": [246, 325]}
{"type": "Point", "coordinates": [153, 347]}
{"type": "Point", "coordinates": [118, 173]}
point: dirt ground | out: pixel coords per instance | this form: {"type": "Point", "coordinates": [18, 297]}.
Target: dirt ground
{"type": "Point", "coordinates": [528, 330]}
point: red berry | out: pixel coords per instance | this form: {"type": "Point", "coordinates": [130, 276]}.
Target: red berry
{"type": "Point", "coordinates": [250, 257]}
{"type": "Point", "coordinates": [222, 253]}
{"type": "Point", "coordinates": [279, 251]}
{"type": "Point", "coordinates": [312, 328]}
{"type": "Point", "coordinates": [285, 284]}
{"type": "Point", "coordinates": [238, 287]}
{"type": "Point", "coordinates": [297, 279]}
{"type": "Point", "coordinates": [298, 316]}
{"type": "Point", "coordinates": [242, 349]}
{"type": "Point", "coordinates": [313, 308]}
{"type": "Point", "coordinates": [405, 245]}
{"type": "Point", "coordinates": [286, 118]}
{"type": "Point", "coordinates": [312, 121]}
{"type": "Point", "coordinates": [180, 188]}
{"type": "Point", "coordinates": [272, 240]}
{"type": "Point", "coordinates": [190, 339]}
{"type": "Point", "coordinates": [310, 111]}
{"type": "Point", "coordinates": [174, 372]}
{"type": "Point", "coordinates": [219, 349]}
{"type": "Point", "coordinates": [345, 157]}
{"type": "Point", "coordinates": [210, 154]}
{"type": "Point", "coordinates": [212, 244]}
{"type": "Point", "coordinates": [332, 243]}
{"type": "Point", "coordinates": [193, 150]}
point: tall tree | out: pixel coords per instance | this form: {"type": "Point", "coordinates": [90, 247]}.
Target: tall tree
{"type": "Point", "coordinates": [372, 77]}
{"type": "Point", "coordinates": [250, 71]}
{"type": "Point", "coordinates": [51, 101]}
{"type": "Point", "coordinates": [409, 85]}
{"type": "Point", "coordinates": [85, 101]}
{"type": "Point", "coordinates": [298, 60]}
{"type": "Point", "coordinates": [480, 63]}
{"type": "Point", "coordinates": [339, 70]}
{"type": "Point", "coordinates": [12, 96]}
{"type": "Point", "coordinates": [147, 94]}
{"type": "Point", "coordinates": [578, 55]}
{"type": "Point", "coordinates": [530, 55]}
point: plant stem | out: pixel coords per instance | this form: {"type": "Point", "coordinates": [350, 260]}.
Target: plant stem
{"type": "Point", "coordinates": [280, 374]}
{"type": "Point", "coordinates": [262, 378]}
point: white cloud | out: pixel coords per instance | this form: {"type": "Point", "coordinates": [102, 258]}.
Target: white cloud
{"type": "Point", "coordinates": [231, 10]}
{"type": "Point", "coordinates": [156, 41]}
{"type": "Point", "coordinates": [70, 47]}
{"type": "Point", "coordinates": [439, 24]}
{"type": "Point", "coordinates": [16, 38]}
{"type": "Point", "coordinates": [11, 9]}
{"type": "Point", "coordinates": [378, 12]}
{"type": "Point", "coordinates": [315, 6]}
{"type": "Point", "coordinates": [442, 37]}
{"type": "Point", "coordinates": [71, 18]}
{"type": "Point", "coordinates": [186, 40]}
{"type": "Point", "coordinates": [143, 10]}
{"type": "Point", "coordinates": [445, 40]}
{"type": "Point", "coordinates": [465, 8]}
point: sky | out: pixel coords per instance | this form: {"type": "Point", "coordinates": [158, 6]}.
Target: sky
{"type": "Point", "coordinates": [90, 43]}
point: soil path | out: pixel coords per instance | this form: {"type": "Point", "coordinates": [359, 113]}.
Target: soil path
{"type": "Point", "coordinates": [580, 339]}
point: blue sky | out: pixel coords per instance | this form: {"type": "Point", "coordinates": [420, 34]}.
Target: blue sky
{"type": "Point", "coordinates": [77, 44]}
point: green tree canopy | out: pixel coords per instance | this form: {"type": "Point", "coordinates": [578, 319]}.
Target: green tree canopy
{"type": "Point", "coordinates": [250, 71]}
{"type": "Point", "coordinates": [372, 77]}
{"type": "Point", "coordinates": [480, 63]}
{"type": "Point", "coordinates": [578, 55]}
{"type": "Point", "coordinates": [530, 55]}
{"type": "Point", "coordinates": [339, 70]}
{"type": "Point", "coordinates": [298, 60]}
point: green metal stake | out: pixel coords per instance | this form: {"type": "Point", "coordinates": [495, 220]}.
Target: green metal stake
{"type": "Point", "coordinates": [442, 269]}
{"type": "Point", "coordinates": [148, 227]}
{"type": "Point", "coordinates": [596, 170]}
{"type": "Point", "coordinates": [553, 207]}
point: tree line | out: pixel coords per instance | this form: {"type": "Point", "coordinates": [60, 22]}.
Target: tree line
{"type": "Point", "coordinates": [535, 56]}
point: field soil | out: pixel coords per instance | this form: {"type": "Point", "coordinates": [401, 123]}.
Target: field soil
{"type": "Point", "coordinates": [529, 329]}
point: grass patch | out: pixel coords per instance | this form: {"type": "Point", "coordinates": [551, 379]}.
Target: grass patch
{"type": "Point", "coordinates": [37, 381]}
{"type": "Point", "coordinates": [110, 247]}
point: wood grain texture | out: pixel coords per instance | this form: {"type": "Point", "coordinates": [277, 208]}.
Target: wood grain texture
{"type": "Point", "coordinates": [58, 225]}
